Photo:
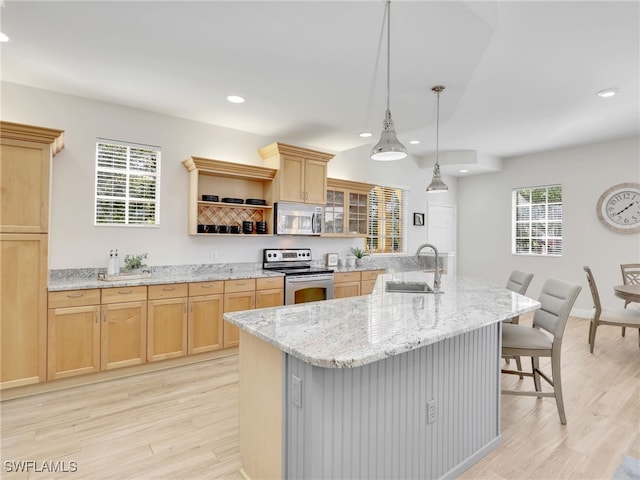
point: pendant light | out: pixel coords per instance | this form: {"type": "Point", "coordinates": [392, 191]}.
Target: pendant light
{"type": "Point", "coordinates": [389, 147]}
{"type": "Point", "coordinates": [437, 185]}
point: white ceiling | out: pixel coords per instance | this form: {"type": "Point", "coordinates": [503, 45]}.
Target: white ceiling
{"type": "Point", "coordinates": [520, 76]}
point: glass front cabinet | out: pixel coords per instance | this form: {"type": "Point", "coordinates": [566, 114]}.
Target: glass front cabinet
{"type": "Point", "coordinates": [346, 210]}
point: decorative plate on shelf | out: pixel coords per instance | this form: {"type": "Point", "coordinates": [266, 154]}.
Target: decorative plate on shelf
{"type": "Point", "coordinates": [619, 208]}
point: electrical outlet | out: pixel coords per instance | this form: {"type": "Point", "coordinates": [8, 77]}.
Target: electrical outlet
{"type": "Point", "coordinates": [432, 411]}
{"type": "Point", "coordinates": [296, 391]}
{"type": "Point", "coordinates": [214, 255]}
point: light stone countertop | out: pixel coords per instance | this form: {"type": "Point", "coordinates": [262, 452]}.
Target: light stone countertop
{"type": "Point", "coordinates": [79, 279]}
{"type": "Point", "coordinates": [351, 332]}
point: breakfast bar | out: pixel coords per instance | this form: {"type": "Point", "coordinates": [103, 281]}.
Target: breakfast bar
{"type": "Point", "coordinates": [386, 385]}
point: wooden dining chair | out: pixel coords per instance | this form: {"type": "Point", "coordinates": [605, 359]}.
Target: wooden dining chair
{"type": "Point", "coordinates": [518, 282]}
{"type": "Point", "coordinates": [630, 276]}
{"type": "Point", "coordinates": [618, 317]}
{"type": "Point", "coordinates": [542, 339]}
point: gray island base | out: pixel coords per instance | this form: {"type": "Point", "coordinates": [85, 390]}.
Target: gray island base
{"type": "Point", "coordinates": [387, 385]}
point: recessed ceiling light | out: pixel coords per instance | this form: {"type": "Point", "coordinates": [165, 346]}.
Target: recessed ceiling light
{"type": "Point", "coordinates": [235, 99]}
{"type": "Point", "coordinates": [3, 37]}
{"type": "Point", "coordinates": [608, 92]}
{"type": "Point", "coordinates": [414, 142]}
{"type": "Point", "coordinates": [464, 170]}
{"type": "Point", "coordinates": [366, 134]}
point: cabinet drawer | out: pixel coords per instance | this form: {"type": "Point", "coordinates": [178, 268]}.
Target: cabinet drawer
{"type": "Point", "coordinates": [244, 285]}
{"type": "Point", "coordinates": [74, 298]}
{"type": "Point", "coordinates": [124, 294]}
{"type": "Point", "coordinates": [343, 277]}
{"type": "Point", "coordinates": [206, 288]}
{"type": "Point", "coordinates": [173, 290]}
{"type": "Point", "coordinates": [268, 283]}
{"type": "Point", "coordinates": [371, 275]}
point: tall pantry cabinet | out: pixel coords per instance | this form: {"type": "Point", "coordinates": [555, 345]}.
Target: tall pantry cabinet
{"type": "Point", "coordinates": [25, 165]}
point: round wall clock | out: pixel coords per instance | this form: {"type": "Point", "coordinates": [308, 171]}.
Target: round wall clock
{"type": "Point", "coordinates": [619, 208]}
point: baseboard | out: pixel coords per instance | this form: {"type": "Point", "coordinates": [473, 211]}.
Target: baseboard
{"type": "Point", "coordinates": [473, 459]}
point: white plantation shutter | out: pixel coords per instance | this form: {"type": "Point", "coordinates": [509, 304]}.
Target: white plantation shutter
{"type": "Point", "coordinates": [127, 183]}
{"type": "Point", "coordinates": [537, 221]}
{"type": "Point", "coordinates": [386, 220]}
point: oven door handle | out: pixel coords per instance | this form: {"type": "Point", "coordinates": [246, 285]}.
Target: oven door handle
{"type": "Point", "coordinates": [309, 278]}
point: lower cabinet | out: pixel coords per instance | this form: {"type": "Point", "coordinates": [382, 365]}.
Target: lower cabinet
{"type": "Point", "coordinates": [73, 333]}
{"type": "Point", "coordinates": [123, 335]}
{"type": "Point", "coordinates": [167, 321]}
{"type": "Point", "coordinates": [346, 284]}
{"type": "Point", "coordinates": [369, 278]}
{"type": "Point", "coordinates": [238, 295]}
{"type": "Point", "coordinates": [205, 317]}
{"type": "Point", "coordinates": [352, 284]}
{"type": "Point", "coordinates": [269, 292]}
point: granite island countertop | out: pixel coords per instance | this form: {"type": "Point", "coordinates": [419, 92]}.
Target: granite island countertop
{"type": "Point", "coordinates": [351, 332]}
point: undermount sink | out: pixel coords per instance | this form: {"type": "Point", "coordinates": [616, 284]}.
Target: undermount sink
{"type": "Point", "coordinates": [409, 287]}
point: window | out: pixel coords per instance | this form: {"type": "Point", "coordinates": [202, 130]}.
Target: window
{"type": "Point", "coordinates": [127, 183]}
{"type": "Point", "coordinates": [386, 220]}
{"type": "Point", "coordinates": [537, 220]}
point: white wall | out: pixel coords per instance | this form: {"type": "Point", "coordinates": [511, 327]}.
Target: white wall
{"type": "Point", "coordinates": [484, 218]}
{"type": "Point", "coordinates": [76, 243]}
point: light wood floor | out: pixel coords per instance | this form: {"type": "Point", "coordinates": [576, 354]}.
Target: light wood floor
{"type": "Point", "coordinates": [183, 423]}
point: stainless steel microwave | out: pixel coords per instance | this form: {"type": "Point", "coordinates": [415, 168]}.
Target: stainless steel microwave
{"type": "Point", "coordinates": [297, 219]}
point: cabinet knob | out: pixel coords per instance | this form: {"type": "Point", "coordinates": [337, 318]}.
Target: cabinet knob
{"type": "Point", "coordinates": [168, 289]}
{"type": "Point", "coordinates": [124, 292]}
{"type": "Point", "coordinates": [208, 285]}
{"type": "Point", "coordinates": [75, 295]}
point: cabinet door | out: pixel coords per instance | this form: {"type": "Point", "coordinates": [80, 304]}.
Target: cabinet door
{"type": "Point", "coordinates": [369, 281]}
{"type": "Point", "coordinates": [347, 289]}
{"type": "Point", "coordinates": [24, 186]}
{"type": "Point", "coordinates": [123, 334]}
{"type": "Point", "coordinates": [234, 302]}
{"type": "Point", "coordinates": [334, 212]}
{"type": "Point", "coordinates": [292, 179]}
{"type": "Point", "coordinates": [166, 329]}
{"type": "Point", "coordinates": [358, 213]}
{"type": "Point", "coordinates": [73, 346]}
{"type": "Point", "coordinates": [23, 309]}
{"type": "Point", "coordinates": [205, 323]}
{"type": "Point", "coordinates": [315, 182]}
{"type": "Point", "coordinates": [269, 298]}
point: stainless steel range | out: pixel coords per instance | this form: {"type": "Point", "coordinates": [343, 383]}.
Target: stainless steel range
{"type": "Point", "coordinates": [302, 282]}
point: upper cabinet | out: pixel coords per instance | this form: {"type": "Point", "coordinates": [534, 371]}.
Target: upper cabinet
{"type": "Point", "coordinates": [227, 180]}
{"type": "Point", "coordinates": [26, 161]}
{"type": "Point", "coordinates": [347, 208]}
{"type": "Point", "coordinates": [301, 173]}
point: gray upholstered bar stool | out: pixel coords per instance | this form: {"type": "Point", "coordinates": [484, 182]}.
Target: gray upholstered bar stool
{"type": "Point", "coordinates": [542, 339]}
{"type": "Point", "coordinates": [518, 282]}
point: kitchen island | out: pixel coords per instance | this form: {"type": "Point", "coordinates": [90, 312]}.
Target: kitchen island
{"type": "Point", "coordinates": [387, 385]}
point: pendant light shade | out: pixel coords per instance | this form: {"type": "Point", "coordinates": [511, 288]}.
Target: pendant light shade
{"type": "Point", "coordinates": [437, 185]}
{"type": "Point", "coordinates": [389, 147]}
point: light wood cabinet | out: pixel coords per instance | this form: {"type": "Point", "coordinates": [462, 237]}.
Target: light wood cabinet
{"type": "Point", "coordinates": [205, 328]}
{"type": "Point", "coordinates": [269, 292]}
{"type": "Point", "coordinates": [227, 180]}
{"type": "Point", "coordinates": [124, 327]}
{"type": "Point", "coordinates": [368, 281]}
{"type": "Point", "coordinates": [167, 321]}
{"type": "Point", "coordinates": [238, 295]}
{"type": "Point", "coordinates": [301, 173]}
{"type": "Point", "coordinates": [346, 212]}
{"type": "Point", "coordinates": [25, 162]}
{"type": "Point", "coordinates": [73, 340]}
{"type": "Point", "coordinates": [346, 284]}
{"type": "Point", "coordinates": [23, 310]}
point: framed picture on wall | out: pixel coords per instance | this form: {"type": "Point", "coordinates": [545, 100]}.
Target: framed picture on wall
{"type": "Point", "coordinates": [418, 219]}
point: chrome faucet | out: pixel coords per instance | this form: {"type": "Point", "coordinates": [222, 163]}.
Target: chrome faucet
{"type": "Point", "coordinates": [436, 276]}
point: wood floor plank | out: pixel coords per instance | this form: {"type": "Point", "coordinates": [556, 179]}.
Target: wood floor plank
{"type": "Point", "coordinates": [182, 423]}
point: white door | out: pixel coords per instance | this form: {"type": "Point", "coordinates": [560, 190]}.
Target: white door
{"type": "Point", "coordinates": [441, 231]}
